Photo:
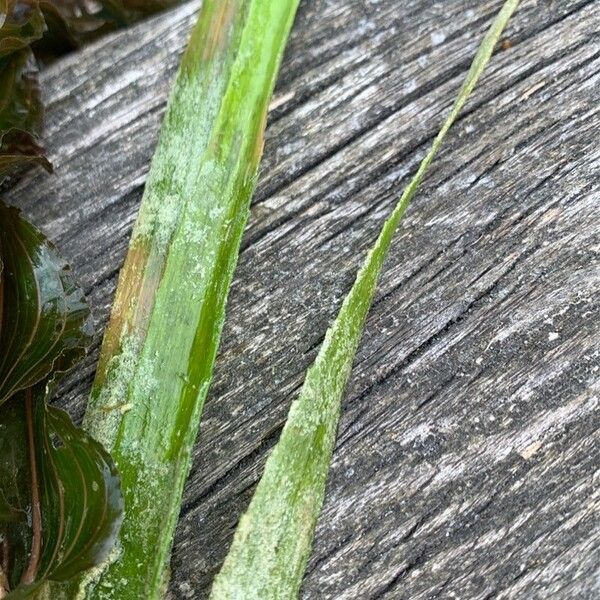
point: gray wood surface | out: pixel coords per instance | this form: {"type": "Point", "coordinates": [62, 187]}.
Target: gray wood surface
{"type": "Point", "coordinates": [468, 457]}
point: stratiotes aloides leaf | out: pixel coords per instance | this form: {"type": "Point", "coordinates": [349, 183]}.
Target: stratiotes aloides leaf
{"type": "Point", "coordinates": [60, 500]}
{"type": "Point", "coordinates": [160, 346]}
{"type": "Point", "coordinates": [272, 543]}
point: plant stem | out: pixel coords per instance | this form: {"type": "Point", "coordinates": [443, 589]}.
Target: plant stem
{"type": "Point", "coordinates": [160, 345]}
{"type": "Point", "coordinates": [272, 542]}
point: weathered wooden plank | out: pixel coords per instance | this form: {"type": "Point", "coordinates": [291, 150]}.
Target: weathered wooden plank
{"type": "Point", "coordinates": [469, 443]}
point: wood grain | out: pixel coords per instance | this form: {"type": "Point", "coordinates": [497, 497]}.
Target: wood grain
{"type": "Point", "coordinates": [468, 457]}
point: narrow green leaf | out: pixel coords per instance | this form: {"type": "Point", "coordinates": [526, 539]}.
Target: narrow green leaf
{"type": "Point", "coordinates": [159, 348]}
{"type": "Point", "coordinates": [272, 543]}
{"type": "Point", "coordinates": [45, 328]}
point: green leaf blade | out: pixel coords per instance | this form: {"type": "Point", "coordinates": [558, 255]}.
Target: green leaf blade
{"type": "Point", "coordinates": [160, 346]}
{"type": "Point", "coordinates": [272, 543]}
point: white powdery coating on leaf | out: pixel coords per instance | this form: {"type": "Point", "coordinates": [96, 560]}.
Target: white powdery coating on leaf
{"type": "Point", "coordinates": [158, 219]}
{"type": "Point", "coordinates": [93, 575]}
{"type": "Point", "coordinates": [105, 413]}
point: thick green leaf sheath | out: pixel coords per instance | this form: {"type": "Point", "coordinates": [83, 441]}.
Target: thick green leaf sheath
{"type": "Point", "coordinates": [160, 346]}
{"type": "Point", "coordinates": [272, 543]}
